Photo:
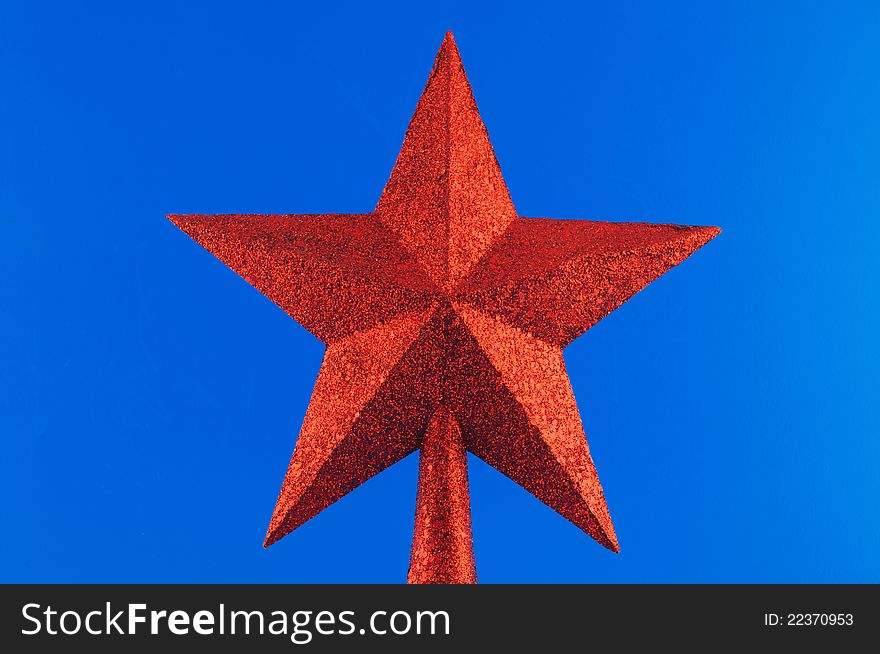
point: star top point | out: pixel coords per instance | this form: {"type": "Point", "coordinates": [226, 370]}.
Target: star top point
{"type": "Point", "coordinates": [446, 199]}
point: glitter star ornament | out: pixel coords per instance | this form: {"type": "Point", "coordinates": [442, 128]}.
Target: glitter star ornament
{"type": "Point", "coordinates": [445, 316]}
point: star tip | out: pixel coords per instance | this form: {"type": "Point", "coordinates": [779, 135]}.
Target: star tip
{"type": "Point", "coordinates": [277, 530]}
{"type": "Point", "coordinates": [608, 539]}
{"type": "Point", "coordinates": [270, 539]}
{"type": "Point", "coordinates": [705, 234]}
{"type": "Point", "coordinates": [177, 219]}
{"type": "Point", "coordinates": [449, 46]}
{"type": "Point", "coordinates": [611, 543]}
{"type": "Point", "coordinates": [710, 233]}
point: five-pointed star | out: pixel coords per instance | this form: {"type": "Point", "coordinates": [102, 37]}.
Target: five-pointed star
{"type": "Point", "coordinates": [444, 297]}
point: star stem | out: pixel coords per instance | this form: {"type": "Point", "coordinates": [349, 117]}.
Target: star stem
{"type": "Point", "coordinates": [443, 548]}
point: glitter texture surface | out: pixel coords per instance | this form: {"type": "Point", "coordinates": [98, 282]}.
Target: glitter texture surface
{"type": "Point", "coordinates": [444, 316]}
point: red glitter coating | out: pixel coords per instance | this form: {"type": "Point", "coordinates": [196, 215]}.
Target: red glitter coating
{"type": "Point", "coordinates": [444, 316]}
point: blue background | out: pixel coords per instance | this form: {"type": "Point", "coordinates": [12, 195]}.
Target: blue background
{"type": "Point", "coordinates": [150, 399]}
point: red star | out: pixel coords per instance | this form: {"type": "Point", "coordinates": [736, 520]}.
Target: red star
{"type": "Point", "coordinates": [445, 316]}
